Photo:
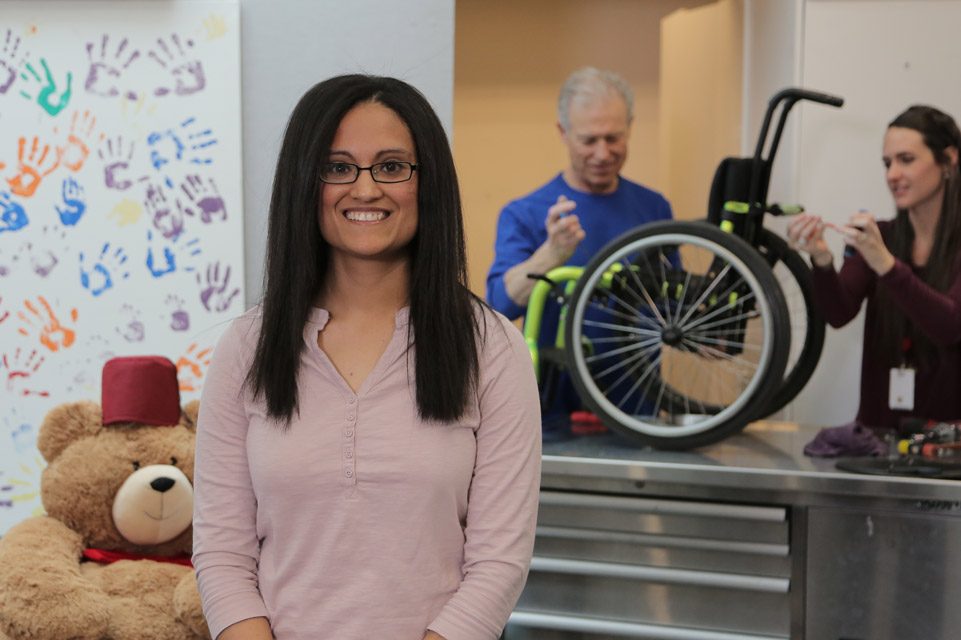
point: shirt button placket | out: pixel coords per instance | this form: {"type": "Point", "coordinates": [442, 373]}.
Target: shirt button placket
{"type": "Point", "coordinates": [350, 472]}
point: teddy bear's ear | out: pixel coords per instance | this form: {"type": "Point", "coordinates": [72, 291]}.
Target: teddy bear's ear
{"type": "Point", "coordinates": [189, 416]}
{"type": "Point", "coordinates": [67, 423]}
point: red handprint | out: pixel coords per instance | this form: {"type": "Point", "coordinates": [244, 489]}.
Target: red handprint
{"type": "Point", "coordinates": [19, 369]}
{"type": "Point", "coordinates": [52, 334]}
{"type": "Point", "coordinates": [31, 168]}
{"type": "Point", "coordinates": [191, 368]}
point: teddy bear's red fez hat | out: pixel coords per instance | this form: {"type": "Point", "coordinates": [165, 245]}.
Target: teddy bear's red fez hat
{"type": "Point", "coordinates": [140, 389]}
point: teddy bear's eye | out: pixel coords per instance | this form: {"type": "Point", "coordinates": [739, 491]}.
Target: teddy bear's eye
{"type": "Point", "coordinates": [136, 465]}
{"type": "Point", "coordinates": [173, 461]}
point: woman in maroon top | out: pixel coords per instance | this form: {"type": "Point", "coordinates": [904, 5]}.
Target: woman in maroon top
{"type": "Point", "coordinates": [909, 269]}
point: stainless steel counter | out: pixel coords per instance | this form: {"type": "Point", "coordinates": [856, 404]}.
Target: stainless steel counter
{"type": "Point", "coordinates": [766, 456]}
{"type": "Point", "coordinates": [748, 538]}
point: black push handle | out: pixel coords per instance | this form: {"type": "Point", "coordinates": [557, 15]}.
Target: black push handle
{"type": "Point", "coordinates": [804, 94]}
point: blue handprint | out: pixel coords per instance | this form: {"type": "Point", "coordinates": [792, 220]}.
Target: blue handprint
{"type": "Point", "coordinates": [103, 270]}
{"type": "Point", "coordinates": [186, 251]}
{"type": "Point", "coordinates": [12, 215]}
{"type": "Point", "coordinates": [74, 204]}
{"type": "Point", "coordinates": [188, 144]}
{"type": "Point", "coordinates": [44, 98]}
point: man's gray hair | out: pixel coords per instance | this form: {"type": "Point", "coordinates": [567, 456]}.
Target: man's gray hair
{"type": "Point", "coordinates": [590, 83]}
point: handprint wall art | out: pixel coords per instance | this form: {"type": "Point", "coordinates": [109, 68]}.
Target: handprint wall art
{"type": "Point", "coordinates": [121, 227]}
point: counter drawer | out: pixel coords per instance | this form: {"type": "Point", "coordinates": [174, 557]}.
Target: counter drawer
{"type": "Point", "coordinates": [622, 566]}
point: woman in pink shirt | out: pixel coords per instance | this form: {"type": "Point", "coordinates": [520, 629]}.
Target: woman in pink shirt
{"type": "Point", "coordinates": [368, 448]}
{"type": "Point", "coordinates": [908, 269]}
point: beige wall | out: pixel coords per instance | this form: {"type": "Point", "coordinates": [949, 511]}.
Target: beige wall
{"type": "Point", "coordinates": [510, 59]}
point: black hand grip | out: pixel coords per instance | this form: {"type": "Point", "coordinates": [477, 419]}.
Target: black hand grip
{"type": "Point", "coordinates": [804, 94]}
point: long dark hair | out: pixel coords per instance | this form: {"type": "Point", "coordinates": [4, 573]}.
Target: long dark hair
{"type": "Point", "coordinates": [939, 132]}
{"type": "Point", "coordinates": [442, 324]}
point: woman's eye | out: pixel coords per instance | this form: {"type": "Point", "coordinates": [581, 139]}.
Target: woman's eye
{"type": "Point", "coordinates": [391, 168]}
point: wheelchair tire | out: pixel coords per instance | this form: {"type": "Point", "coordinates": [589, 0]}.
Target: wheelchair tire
{"type": "Point", "coordinates": [807, 325]}
{"type": "Point", "coordinates": [691, 334]}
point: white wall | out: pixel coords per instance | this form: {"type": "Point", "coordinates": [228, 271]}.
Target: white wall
{"type": "Point", "coordinates": [289, 45]}
{"type": "Point", "coordinates": [881, 56]}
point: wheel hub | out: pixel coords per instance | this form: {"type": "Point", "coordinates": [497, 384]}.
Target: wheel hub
{"type": "Point", "coordinates": [672, 336]}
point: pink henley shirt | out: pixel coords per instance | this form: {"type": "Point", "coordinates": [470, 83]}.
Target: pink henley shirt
{"type": "Point", "coordinates": [362, 521]}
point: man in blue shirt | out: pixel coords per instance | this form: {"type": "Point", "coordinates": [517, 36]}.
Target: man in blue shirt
{"type": "Point", "coordinates": [569, 219]}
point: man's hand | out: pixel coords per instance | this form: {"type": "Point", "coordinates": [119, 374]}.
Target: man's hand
{"type": "Point", "coordinates": [564, 234]}
{"type": "Point", "coordinates": [564, 230]}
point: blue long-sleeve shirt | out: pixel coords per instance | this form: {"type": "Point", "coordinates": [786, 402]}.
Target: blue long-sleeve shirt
{"type": "Point", "coordinates": [521, 230]}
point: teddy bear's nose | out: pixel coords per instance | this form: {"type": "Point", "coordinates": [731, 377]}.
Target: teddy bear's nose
{"type": "Point", "coordinates": [162, 484]}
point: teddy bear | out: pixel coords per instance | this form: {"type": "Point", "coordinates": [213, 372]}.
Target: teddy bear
{"type": "Point", "coordinates": [110, 560]}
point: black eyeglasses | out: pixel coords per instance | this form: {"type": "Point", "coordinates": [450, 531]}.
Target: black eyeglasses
{"type": "Point", "coordinates": [346, 172]}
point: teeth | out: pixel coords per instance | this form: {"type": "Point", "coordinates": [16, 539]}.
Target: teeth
{"type": "Point", "coordinates": [366, 216]}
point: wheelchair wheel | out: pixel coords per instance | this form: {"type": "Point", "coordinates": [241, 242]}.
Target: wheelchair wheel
{"type": "Point", "coordinates": [807, 325]}
{"type": "Point", "coordinates": [688, 331]}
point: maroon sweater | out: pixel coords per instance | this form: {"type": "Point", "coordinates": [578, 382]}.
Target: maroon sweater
{"type": "Point", "coordinates": [937, 388]}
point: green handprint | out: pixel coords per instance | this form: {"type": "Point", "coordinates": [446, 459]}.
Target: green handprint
{"type": "Point", "coordinates": [44, 98]}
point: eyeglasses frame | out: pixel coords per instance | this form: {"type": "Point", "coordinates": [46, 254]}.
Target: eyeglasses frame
{"type": "Point", "coordinates": [413, 168]}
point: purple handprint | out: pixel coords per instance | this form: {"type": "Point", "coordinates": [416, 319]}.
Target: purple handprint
{"type": "Point", "coordinates": [203, 199]}
{"type": "Point", "coordinates": [116, 165]}
{"type": "Point", "coordinates": [167, 221]}
{"type": "Point", "coordinates": [103, 75]}
{"type": "Point", "coordinates": [188, 74]}
{"type": "Point", "coordinates": [10, 63]}
{"type": "Point", "coordinates": [213, 292]}
{"type": "Point", "coordinates": [44, 259]}
{"type": "Point", "coordinates": [131, 329]}
{"type": "Point", "coordinates": [179, 318]}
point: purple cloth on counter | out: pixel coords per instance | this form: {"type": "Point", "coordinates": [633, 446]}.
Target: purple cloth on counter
{"type": "Point", "coordinates": [852, 439]}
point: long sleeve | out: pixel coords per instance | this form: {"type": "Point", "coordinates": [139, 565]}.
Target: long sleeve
{"type": "Point", "coordinates": [515, 243]}
{"type": "Point", "coordinates": [226, 547]}
{"type": "Point", "coordinates": [839, 295]}
{"type": "Point", "coordinates": [502, 507]}
{"type": "Point", "coordinates": [937, 315]}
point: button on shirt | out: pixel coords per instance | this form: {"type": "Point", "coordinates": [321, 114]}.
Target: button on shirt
{"type": "Point", "coordinates": [362, 520]}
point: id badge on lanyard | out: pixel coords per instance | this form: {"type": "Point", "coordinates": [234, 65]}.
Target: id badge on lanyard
{"type": "Point", "coordinates": [901, 384]}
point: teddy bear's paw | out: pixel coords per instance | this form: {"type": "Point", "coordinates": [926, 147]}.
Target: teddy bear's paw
{"type": "Point", "coordinates": [188, 606]}
{"type": "Point", "coordinates": [76, 616]}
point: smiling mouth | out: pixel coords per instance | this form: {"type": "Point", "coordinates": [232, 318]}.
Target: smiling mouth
{"type": "Point", "coordinates": [159, 519]}
{"type": "Point", "coordinates": [366, 216]}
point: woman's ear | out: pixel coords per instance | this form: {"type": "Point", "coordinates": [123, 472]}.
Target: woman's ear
{"type": "Point", "coordinates": [952, 153]}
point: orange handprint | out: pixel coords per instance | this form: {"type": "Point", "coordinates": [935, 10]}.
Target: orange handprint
{"type": "Point", "coordinates": [191, 368]}
{"type": "Point", "coordinates": [31, 168]}
{"type": "Point", "coordinates": [75, 152]}
{"type": "Point", "coordinates": [52, 334]}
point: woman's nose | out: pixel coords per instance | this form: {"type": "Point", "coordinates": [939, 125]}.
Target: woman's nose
{"type": "Point", "coordinates": [365, 186]}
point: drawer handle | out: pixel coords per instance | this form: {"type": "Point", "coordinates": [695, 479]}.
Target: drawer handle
{"type": "Point", "coordinates": [628, 629]}
{"type": "Point", "coordinates": [665, 541]}
{"type": "Point", "coordinates": [676, 507]}
{"type": "Point", "coordinates": [660, 574]}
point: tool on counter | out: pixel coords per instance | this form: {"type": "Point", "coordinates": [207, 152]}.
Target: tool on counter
{"type": "Point", "coordinates": [935, 439]}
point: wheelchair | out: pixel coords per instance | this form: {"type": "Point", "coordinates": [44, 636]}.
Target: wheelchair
{"type": "Point", "coordinates": [677, 334]}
